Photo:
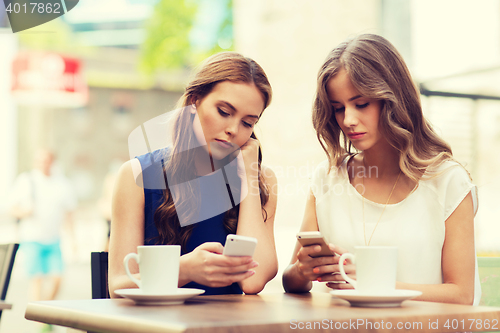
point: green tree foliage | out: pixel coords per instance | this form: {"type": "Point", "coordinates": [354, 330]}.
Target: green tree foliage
{"type": "Point", "coordinates": [167, 42]}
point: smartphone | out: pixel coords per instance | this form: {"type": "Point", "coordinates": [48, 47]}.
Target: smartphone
{"type": "Point", "coordinates": [239, 246]}
{"type": "Point", "coordinates": [307, 238]}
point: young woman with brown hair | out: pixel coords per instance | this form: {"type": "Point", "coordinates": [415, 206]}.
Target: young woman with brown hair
{"type": "Point", "coordinates": [389, 180]}
{"type": "Point", "coordinates": [212, 131]}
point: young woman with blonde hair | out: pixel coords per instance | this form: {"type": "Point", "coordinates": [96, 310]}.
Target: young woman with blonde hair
{"type": "Point", "coordinates": [389, 180]}
{"type": "Point", "coordinates": [186, 187]}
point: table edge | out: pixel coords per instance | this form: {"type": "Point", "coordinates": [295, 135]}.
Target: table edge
{"type": "Point", "coordinates": [5, 306]}
{"type": "Point", "coordinates": [44, 313]}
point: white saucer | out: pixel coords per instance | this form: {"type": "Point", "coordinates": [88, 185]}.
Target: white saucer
{"type": "Point", "coordinates": [391, 300]}
{"type": "Point", "coordinates": [178, 297]}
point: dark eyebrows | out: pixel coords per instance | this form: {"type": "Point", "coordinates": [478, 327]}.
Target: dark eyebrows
{"type": "Point", "coordinates": [229, 105]}
{"type": "Point", "coordinates": [350, 99]}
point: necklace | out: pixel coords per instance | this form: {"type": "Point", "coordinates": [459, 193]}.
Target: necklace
{"type": "Point", "coordinates": [385, 206]}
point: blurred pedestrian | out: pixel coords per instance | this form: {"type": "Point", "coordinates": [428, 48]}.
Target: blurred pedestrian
{"type": "Point", "coordinates": [42, 202]}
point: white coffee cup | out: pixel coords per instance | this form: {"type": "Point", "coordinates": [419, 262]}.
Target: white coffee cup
{"type": "Point", "coordinates": [375, 269]}
{"type": "Point", "coordinates": [158, 266]}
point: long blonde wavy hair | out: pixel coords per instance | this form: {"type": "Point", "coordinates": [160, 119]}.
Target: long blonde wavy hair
{"type": "Point", "coordinates": [225, 66]}
{"type": "Point", "coordinates": [378, 71]}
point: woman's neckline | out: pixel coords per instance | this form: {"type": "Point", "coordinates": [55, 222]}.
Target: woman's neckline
{"type": "Point", "coordinates": [361, 197]}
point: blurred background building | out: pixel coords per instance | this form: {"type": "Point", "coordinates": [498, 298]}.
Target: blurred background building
{"type": "Point", "coordinates": [135, 56]}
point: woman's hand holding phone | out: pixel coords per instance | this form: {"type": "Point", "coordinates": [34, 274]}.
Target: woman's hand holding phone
{"type": "Point", "coordinates": [317, 261]}
{"type": "Point", "coordinates": [336, 281]}
{"type": "Point", "coordinates": [315, 258]}
{"type": "Point", "coordinates": [207, 266]}
{"type": "Point", "coordinates": [313, 268]}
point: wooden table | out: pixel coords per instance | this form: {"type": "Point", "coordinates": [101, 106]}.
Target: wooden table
{"type": "Point", "coordinates": [262, 313]}
{"type": "Point", "coordinates": [5, 306]}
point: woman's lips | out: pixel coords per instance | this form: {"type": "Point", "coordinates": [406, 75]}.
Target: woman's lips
{"type": "Point", "coordinates": [224, 144]}
{"type": "Point", "coordinates": [355, 136]}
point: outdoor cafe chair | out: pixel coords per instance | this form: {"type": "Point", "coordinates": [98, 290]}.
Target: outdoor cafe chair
{"type": "Point", "coordinates": [7, 257]}
{"type": "Point", "coordinates": [99, 272]}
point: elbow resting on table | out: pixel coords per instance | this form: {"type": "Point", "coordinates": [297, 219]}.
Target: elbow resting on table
{"type": "Point", "coordinates": [466, 298]}
{"type": "Point", "coordinates": [252, 289]}
{"type": "Point", "coordinates": [463, 296]}
{"type": "Point", "coordinates": [256, 284]}
{"type": "Point", "coordinates": [296, 290]}
{"type": "Point", "coordinates": [291, 285]}
{"type": "Point", "coordinates": [458, 299]}
{"type": "Point", "coordinates": [455, 296]}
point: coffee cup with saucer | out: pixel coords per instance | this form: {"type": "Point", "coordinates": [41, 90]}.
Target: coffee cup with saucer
{"type": "Point", "coordinates": [375, 284]}
{"type": "Point", "coordinates": [159, 270]}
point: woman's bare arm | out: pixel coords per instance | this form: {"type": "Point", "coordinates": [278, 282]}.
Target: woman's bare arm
{"type": "Point", "coordinates": [458, 260]}
{"type": "Point", "coordinates": [294, 279]}
{"type": "Point", "coordinates": [251, 223]}
{"type": "Point", "coordinates": [127, 227]}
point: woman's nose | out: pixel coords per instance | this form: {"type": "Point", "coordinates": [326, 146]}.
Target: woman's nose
{"type": "Point", "coordinates": [350, 117]}
{"type": "Point", "coordinates": [232, 128]}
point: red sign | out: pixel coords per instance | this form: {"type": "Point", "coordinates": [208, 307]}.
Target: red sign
{"type": "Point", "coordinates": [48, 79]}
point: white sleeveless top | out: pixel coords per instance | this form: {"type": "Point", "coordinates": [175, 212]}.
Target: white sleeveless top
{"type": "Point", "coordinates": [415, 225]}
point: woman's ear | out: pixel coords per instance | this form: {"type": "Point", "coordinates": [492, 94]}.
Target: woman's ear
{"type": "Point", "coordinates": [193, 102]}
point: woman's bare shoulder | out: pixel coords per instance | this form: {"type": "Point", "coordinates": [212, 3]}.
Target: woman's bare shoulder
{"type": "Point", "coordinates": [129, 179]}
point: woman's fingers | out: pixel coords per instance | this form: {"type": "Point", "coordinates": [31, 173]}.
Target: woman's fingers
{"type": "Point", "coordinates": [336, 281]}
{"type": "Point", "coordinates": [222, 280]}
{"type": "Point", "coordinates": [229, 261]}
{"type": "Point", "coordinates": [348, 268]}
{"type": "Point", "coordinates": [339, 285]}
{"type": "Point", "coordinates": [230, 265]}
{"type": "Point", "coordinates": [251, 143]}
{"type": "Point", "coordinates": [334, 277]}
{"type": "Point", "coordinates": [239, 268]}
{"type": "Point", "coordinates": [214, 247]}
{"type": "Point", "coordinates": [221, 271]}
{"type": "Point", "coordinates": [209, 267]}
{"type": "Point", "coordinates": [312, 267]}
{"type": "Point", "coordinates": [212, 258]}
{"type": "Point", "coordinates": [307, 252]}
{"type": "Point", "coordinates": [324, 269]}
{"type": "Point", "coordinates": [328, 277]}
{"type": "Point", "coordinates": [337, 249]}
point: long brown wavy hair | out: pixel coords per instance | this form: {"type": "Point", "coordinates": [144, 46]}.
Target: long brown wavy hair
{"type": "Point", "coordinates": [378, 71]}
{"type": "Point", "coordinates": [225, 66]}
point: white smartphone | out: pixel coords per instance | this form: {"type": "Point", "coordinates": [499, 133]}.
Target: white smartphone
{"type": "Point", "coordinates": [307, 238]}
{"type": "Point", "coordinates": [239, 246]}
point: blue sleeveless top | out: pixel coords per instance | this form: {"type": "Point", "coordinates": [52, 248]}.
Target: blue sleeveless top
{"type": "Point", "coordinates": [208, 230]}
